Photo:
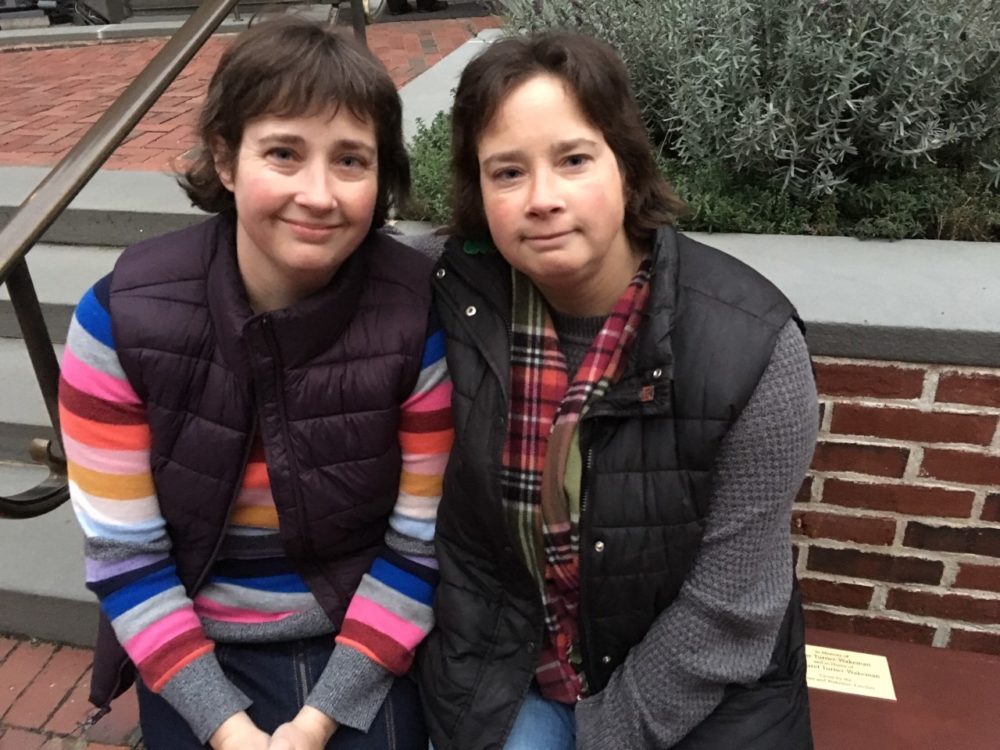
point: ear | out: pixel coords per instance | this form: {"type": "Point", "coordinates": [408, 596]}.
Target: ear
{"type": "Point", "coordinates": [224, 162]}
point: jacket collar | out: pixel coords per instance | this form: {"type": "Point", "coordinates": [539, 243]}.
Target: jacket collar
{"type": "Point", "coordinates": [301, 331]}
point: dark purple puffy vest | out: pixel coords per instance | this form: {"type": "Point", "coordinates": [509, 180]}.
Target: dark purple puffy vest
{"type": "Point", "coordinates": [323, 381]}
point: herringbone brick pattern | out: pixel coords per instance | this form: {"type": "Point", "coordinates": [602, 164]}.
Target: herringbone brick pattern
{"type": "Point", "coordinates": [49, 97]}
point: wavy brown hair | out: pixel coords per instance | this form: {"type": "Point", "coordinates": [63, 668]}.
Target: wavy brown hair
{"type": "Point", "coordinates": [599, 81]}
{"type": "Point", "coordinates": [292, 67]}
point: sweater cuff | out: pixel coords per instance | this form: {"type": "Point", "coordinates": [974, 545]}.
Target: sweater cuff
{"type": "Point", "coordinates": [203, 695]}
{"type": "Point", "coordinates": [351, 689]}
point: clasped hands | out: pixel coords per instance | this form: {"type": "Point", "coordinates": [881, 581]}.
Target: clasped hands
{"type": "Point", "coordinates": [309, 730]}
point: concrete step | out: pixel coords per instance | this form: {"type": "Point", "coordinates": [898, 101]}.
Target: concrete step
{"type": "Point", "coordinates": [61, 274]}
{"type": "Point", "coordinates": [42, 592]}
{"type": "Point", "coordinates": [115, 209]}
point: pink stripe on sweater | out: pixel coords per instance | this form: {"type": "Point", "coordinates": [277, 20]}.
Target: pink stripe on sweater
{"type": "Point", "coordinates": [438, 397]}
{"type": "Point", "coordinates": [378, 617]}
{"type": "Point", "coordinates": [164, 630]}
{"type": "Point", "coordinates": [426, 464]}
{"type": "Point", "coordinates": [224, 613]}
{"type": "Point", "coordinates": [104, 460]}
{"type": "Point", "coordinates": [93, 382]}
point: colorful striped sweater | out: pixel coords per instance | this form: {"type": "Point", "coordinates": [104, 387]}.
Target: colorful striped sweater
{"type": "Point", "coordinates": [253, 593]}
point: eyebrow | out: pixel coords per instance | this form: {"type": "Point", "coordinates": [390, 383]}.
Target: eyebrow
{"type": "Point", "coordinates": [559, 147]}
{"type": "Point", "coordinates": [290, 139]}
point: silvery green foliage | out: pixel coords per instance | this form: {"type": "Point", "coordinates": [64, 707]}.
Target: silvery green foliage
{"type": "Point", "coordinates": [811, 92]}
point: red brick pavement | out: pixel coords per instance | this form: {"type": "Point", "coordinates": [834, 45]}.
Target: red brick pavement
{"type": "Point", "coordinates": [43, 701]}
{"type": "Point", "coordinates": [50, 96]}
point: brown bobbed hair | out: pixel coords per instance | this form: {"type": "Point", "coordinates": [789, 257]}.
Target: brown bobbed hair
{"type": "Point", "coordinates": [292, 67]}
{"type": "Point", "coordinates": [597, 78]}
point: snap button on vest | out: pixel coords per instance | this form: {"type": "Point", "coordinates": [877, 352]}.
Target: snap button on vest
{"type": "Point", "coordinates": [598, 546]}
{"type": "Point", "coordinates": [605, 659]}
{"type": "Point", "coordinates": [440, 273]}
{"type": "Point", "coordinates": [470, 310]}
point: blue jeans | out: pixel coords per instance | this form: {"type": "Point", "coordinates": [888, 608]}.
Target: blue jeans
{"type": "Point", "coordinates": [542, 725]}
{"type": "Point", "coordinates": [277, 677]}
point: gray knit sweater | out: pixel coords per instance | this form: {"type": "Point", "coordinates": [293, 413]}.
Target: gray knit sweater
{"type": "Point", "coordinates": [722, 627]}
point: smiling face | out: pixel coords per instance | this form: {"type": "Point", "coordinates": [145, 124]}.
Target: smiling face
{"type": "Point", "coordinates": [305, 191]}
{"type": "Point", "coordinates": [554, 198]}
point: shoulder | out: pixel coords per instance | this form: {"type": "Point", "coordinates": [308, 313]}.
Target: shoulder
{"type": "Point", "coordinates": [170, 257]}
{"type": "Point", "coordinates": [709, 276]}
{"type": "Point", "coordinates": [399, 265]}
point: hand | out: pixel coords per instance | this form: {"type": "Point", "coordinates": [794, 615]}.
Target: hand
{"type": "Point", "coordinates": [238, 732]}
{"type": "Point", "coordinates": [309, 730]}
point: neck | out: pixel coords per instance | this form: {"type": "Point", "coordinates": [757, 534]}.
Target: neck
{"type": "Point", "coordinates": [596, 294]}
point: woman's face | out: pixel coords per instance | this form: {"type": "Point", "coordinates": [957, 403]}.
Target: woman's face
{"type": "Point", "coordinates": [305, 190]}
{"type": "Point", "coordinates": [554, 197]}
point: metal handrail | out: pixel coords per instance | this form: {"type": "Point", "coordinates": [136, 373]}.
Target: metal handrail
{"type": "Point", "coordinates": [47, 201]}
{"type": "Point", "coordinates": [40, 210]}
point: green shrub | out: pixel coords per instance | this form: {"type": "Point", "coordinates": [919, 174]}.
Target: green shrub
{"type": "Point", "coordinates": [430, 157]}
{"type": "Point", "coordinates": [932, 201]}
{"type": "Point", "coordinates": [810, 95]}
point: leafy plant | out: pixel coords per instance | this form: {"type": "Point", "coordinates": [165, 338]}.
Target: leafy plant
{"type": "Point", "coordinates": [430, 171]}
{"type": "Point", "coordinates": [810, 95]}
{"type": "Point", "coordinates": [932, 201]}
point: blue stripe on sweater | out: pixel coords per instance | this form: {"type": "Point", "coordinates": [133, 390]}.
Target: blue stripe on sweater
{"type": "Point", "coordinates": [401, 581]}
{"type": "Point", "coordinates": [433, 349]}
{"type": "Point", "coordinates": [94, 316]}
{"type": "Point", "coordinates": [121, 601]}
{"type": "Point", "coordinates": [286, 584]}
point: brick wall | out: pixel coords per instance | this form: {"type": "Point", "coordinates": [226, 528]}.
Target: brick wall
{"type": "Point", "coordinates": [897, 527]}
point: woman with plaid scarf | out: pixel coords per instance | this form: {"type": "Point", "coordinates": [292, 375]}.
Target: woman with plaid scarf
{"type": "Point", "coordinates": [634, 413]}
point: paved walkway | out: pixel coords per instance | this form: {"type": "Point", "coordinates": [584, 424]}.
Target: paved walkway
{"type": "Point", "coordinates": [49, 97]}
{"type": "Point", "coordinates": [43, 701]}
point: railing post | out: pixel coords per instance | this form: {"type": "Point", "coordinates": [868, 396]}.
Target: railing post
{"type": "Point", "coordinates": [36, 340]}
{"type": "Point", "coordinates": [358, 21]}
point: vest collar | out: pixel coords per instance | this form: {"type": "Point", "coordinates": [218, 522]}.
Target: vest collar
{"type": "Point", "coordinates": [301, 331]}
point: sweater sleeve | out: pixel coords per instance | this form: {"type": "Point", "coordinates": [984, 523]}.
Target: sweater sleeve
{"type": "Point", "coordinates": [390, 614]}
{"type": "Point", "coordinates": [722, 627]}
{"type": "Point", "coordinates": [128, 557]}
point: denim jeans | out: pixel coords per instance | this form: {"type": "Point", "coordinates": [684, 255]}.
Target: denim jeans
{"type": "Point", "coordinates": [542, 725]}
{"type": "Point", "coordinates": [277, 677]}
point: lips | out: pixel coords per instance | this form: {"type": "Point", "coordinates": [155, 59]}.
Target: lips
{"type": "Point", "coordinates": [547, 237]}
{"type": "Point", "coordinates": [310, 231]}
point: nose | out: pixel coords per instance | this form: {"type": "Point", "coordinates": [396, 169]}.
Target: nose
{"type": "Point", "coordinates": [316, 187]}
{"type": "Point", "coordinates": [544, 197]}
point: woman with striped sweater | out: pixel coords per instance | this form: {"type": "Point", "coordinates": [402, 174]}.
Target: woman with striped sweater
{"type": "Point", "coordinates": [256, 414]}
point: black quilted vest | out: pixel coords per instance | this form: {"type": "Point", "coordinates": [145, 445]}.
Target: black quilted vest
{"type": "Point", "coordinates": [711, 328]}
{"type": "Point", "coordinates": [323, 382]}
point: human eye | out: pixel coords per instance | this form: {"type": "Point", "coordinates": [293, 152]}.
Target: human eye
{"type": "Point", "coordinates": [352, 161]}
{"type": "Point", "coordinates": [575, 161]}
{"type": "Point", "coordinates": [281, 154]}
{"type": "Point", "coordinates": [506, 174]}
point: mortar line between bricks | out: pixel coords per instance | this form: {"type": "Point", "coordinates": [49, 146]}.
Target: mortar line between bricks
{"type": "Point", "coordinates": [848, 511]}
{"type": "Point", "coordinates": [914, 404]}
{"type": "Point", "coordinates": [898, 616]}
{"type": "Point", "coordinates": [912, 552]}
{"type": "Point", "coordinates": [942, 635]}
{"type": "Point", "coordinates": [822, 359]}
{"type": "Point", "coordinates": [931, 379]}
{"type": "Point", "coordinates": [922, 588]}
{"type": "Point", "coordinates": [858, 477]}
{"type": "Point", "coordinates": [978, 504]}
{"type": "Point", "coordinates": [911, 474]}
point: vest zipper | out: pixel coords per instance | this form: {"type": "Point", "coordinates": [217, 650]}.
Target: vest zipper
{"type": "Point", "coordinates": [248, 448]}
{"type": "Point", "coordinates": [584, 555]}
{"type": "Point", "coordinates": [292, 462]}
